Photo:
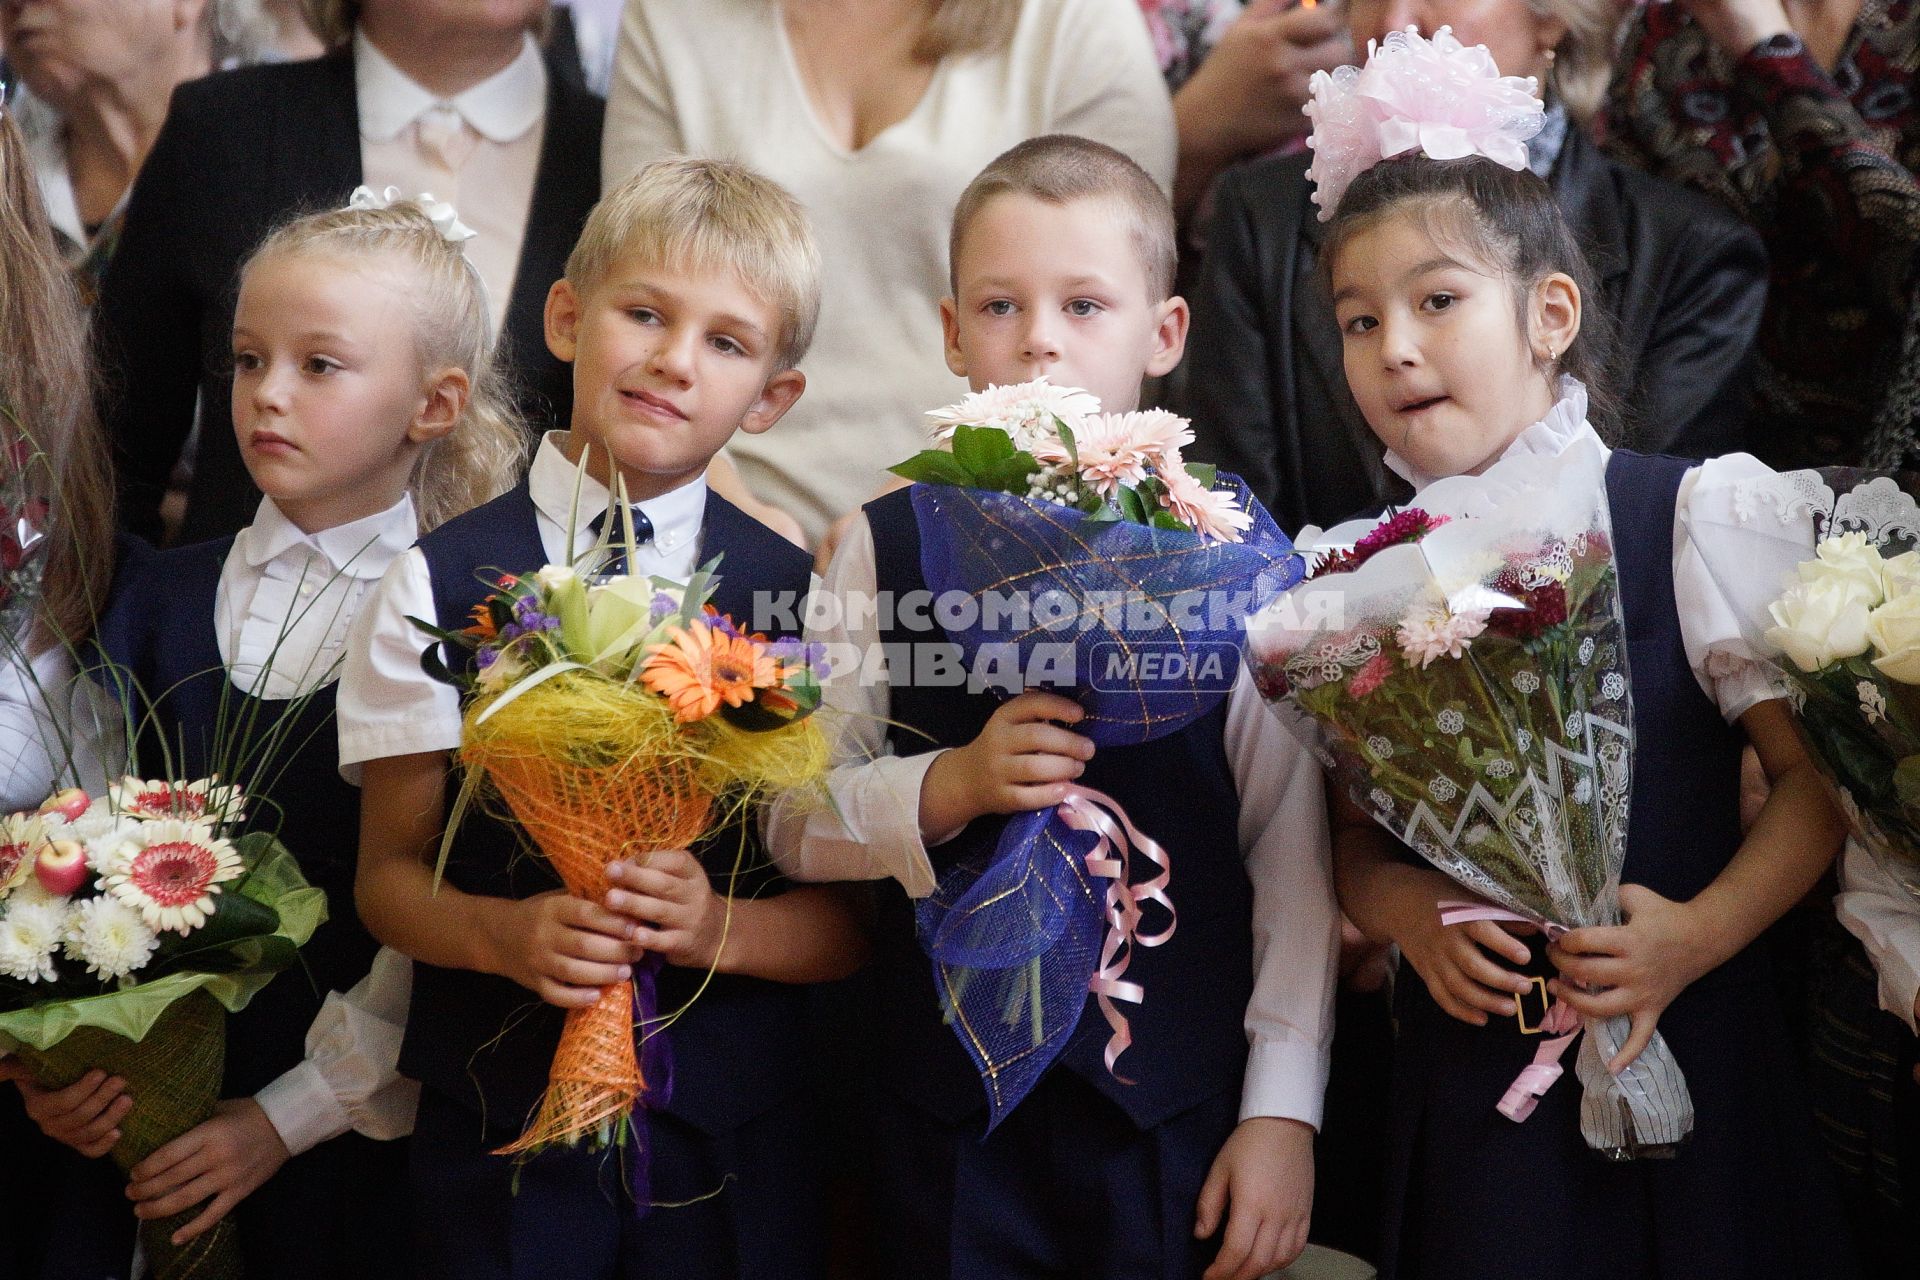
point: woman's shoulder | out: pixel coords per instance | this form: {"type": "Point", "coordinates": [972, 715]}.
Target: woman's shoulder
{"type": "Point", "coordinates": [1652, 212]}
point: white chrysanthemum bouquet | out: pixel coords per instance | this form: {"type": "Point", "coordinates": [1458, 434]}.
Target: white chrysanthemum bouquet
{"type": "Point", "coordinates": [129, 926]}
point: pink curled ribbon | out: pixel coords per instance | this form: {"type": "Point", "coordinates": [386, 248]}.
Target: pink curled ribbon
{"type": "Point", "coordinates": [1538, 1076]}
{"type": "Point", "coordinates": [1085, 809]}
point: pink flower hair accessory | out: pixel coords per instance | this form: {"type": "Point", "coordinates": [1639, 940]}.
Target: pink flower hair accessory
{"type": "Point", "coordinates": [1438, 97]}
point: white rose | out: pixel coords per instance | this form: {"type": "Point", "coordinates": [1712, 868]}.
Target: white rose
{"type": "Point", "coordinates": [1894, 629]}
{"type": "Point", "coordinates": [1901, 575]}
{"type": "Point", "coordinates": [1822, 620]}
{"type": "Point", "coordinates": [552, 577]}
{"type": "Point", "coordinates": [1848, 558]}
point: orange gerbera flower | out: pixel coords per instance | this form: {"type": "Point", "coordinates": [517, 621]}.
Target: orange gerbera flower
{"type": "Point", "coordinates": [701, 667]}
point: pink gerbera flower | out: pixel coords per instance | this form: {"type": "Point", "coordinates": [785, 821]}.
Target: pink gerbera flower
{"type": "Point", "coordinates": [204, 801]}
{"type": "Point", "coordinates": [1115, 449]}
{"type": "Point", "coordinates": [1211, 513]}
{"type": "Point", "coordinates": [169, 871]}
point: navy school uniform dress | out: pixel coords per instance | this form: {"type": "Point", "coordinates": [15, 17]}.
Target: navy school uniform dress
{"type": "Point", "coordinates": [333, 1210]}
{"type": "Point", "coordinates": [1088, 1176]}
{"type": "Point", "coordinates": [738, 1121]}
{"type": "Point", "coordinates": [1473, 1196]}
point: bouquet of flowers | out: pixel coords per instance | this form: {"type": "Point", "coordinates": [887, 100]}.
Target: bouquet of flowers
{"type": "Point", "coordinates": [24, 510]}
{"type": "Point", "coordinates": [1461, 669]}
{"type": "Point", "coordinates": [129, 926]}
{"type": "Point", "coordinates": [613, 715]}
{"type": "Point", "coordinates": [1822, 570]}
{"type": "Point", "coordinates": [1082, 550]}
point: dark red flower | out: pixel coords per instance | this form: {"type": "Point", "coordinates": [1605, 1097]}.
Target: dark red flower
{"type": "Point", "coordinates": [1408, 525]}
{"type": "Point", "coordinates": [1541, 608]}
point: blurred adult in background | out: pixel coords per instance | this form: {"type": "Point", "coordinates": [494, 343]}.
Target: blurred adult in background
{"type": "Point", "coordinates": [1239, 79]}
{"type": "Point", "coordinates": [1801, 118]}
{"type": "Point", "coordinates": [1682, 279]}
{"type": "Point", "coordinates": [875, 113]}
{"type": "Point", "coordinates": [97, 77]}
{"type": "Point", "coordinates": [450, 97]}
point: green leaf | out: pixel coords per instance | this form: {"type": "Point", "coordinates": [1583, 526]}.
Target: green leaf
{"type": "Point", "coordinates": [1205, 472]}
{"type": "Point", "coordinates": [933, 466]}
{"type": "Point", "coordinates": [980, 449]}
{"type": "Point", "coordinates": [1071, 445]}
{"type": "Point", "coordinates": [1131, 508]}
{"type": "Point", "coordinates": [1906, 782]}
{"type": "Point", "coordinates": [1164, 519]}
{"type": "Point", "coordinates": [1010, 475]}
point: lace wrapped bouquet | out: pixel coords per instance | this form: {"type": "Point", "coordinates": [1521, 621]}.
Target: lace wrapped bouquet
{"type": "Point", "coordinates": [1461, 669]}
{"type": "Point", "coordinates": [1823, 571]}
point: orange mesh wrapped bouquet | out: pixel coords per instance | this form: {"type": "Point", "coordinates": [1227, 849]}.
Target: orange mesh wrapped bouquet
{"type": "Point", "coordinates": [610, 716]}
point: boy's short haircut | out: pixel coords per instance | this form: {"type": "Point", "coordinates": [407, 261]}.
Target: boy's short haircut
{"type": "Point", "coordinates": [1058, 168]}
{"type": "Point", "coordinates": [711, 215]}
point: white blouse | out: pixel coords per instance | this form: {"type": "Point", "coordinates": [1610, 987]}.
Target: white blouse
{"type": "Point", "coordinates": [718, 78]}
{"type": "Point", "coordinates": [286, 597]}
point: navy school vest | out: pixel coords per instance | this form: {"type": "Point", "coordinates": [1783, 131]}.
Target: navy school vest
{"type": "Point", "coordinates": [160, 630]}
{"type": "Point", "coordinates": [487, 1042]}
{"type": "Point", "coordinates": [1683, 822]}
{"type": "Point", "coordinates": [1189, 1038]}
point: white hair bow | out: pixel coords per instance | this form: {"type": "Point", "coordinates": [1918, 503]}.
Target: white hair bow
{"type": "Point", "coordinates": [439, 212]}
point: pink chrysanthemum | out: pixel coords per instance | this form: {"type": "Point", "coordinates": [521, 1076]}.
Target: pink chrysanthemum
{"type": "Point", "coordinates": [1429, 634]}
{"type": "Point", "coordinates": [169, 871]}
{"type": "Point", "coordinates": [204, 801]}
{"type": "Point", "coordinates": [1211, 513]}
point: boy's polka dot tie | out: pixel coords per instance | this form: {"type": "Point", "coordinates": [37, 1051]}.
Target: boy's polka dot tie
{"type": "Point", "coordinates": [616, 551]}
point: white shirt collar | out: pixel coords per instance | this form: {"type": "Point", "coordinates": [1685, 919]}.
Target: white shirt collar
{"type": "Point", "coordinates": [676, 516]}
{"type": "Point", "coordinates": [1564, 423]}
{"type": "Point", "coordinates": [500, 108]}
{"type": "Point", "coordinates": [360, 548]}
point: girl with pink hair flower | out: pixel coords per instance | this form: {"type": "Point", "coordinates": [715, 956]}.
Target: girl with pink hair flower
{"type": "Point", "coordinates": [1458, 292]}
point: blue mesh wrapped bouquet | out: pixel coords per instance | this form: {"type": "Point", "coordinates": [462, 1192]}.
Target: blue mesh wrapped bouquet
{"type": "Point", "coordinates": [1076, 552]}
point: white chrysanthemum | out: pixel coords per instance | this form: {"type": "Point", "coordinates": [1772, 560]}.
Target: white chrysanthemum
{"type": "Point", "coordinates": [204, 801]}
{"type": "Point", "coordinates": [1024, 410]}
{"type": "Point", "coordinates": [21, 835]}
{"type": "Point", "coordinates": [109, 937]}
{"type": "Point", "coordinates": [99, 831]}
{"type": "Point", "coordinates": [29, 935]}
{"type": "Point", "coordinates": [169, 871]}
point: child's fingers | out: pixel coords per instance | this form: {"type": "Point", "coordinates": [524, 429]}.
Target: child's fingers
{"type": "Point", "coordinates": [650, 882]}
{"type": "Point", "coordinates": [219, 1207]}
{"type": "Point", "coordinates": [595, 948]}
{"type": "Point", "coordinates": [1049, 739]}
{"type": "Point", "coordinates": [1595, 940]}
{"type": "Point", "coordinates": [1042, 768]}
{"type": "Point", "coordinates": [565, 997]}
{"type": "Point", "coordinates": [1490, 935]}
{"type": "Point", "coordinates": [679, 863]}
{"type": "Point", "coordinates": [76, 1104]}
{"type": "Point", "coordinates": [594, 917]}
{"type": "Point", "coordinates": [1644, 1024]}
{"type": "Point", "coordinates": [1040, 706]}
{"type": "Point", "coordinates": [1616, 1003]}
{"type": "Point", "coordinates": [1481, 999]}
{"type": "Point", "coordinates": [182, 1198]}
{"type": "Point", "coordinates": [1212, 1202]}
{"type": "Point", "coordinates": [103, 1128]}
{"type": "Point", "coordinates": [1488, 972]}
{"type": "Point", "coordinates": [1593, 971]}
{"type": "Point", "coordinates": [567, 971]}
{"type": "Point", "coordinates": [1236, 1249]}
{"type": "Point", "coordinates": [169, 1168]}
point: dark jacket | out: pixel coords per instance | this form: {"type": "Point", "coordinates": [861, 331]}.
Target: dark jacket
{"type": "Point", "coordinates": [1684, 280]}
{"type": "Point", "coordinates": [241, 152]}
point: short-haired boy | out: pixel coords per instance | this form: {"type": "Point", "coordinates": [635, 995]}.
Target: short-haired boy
{"type": "Point", "coordinates": [686, 305]}
{"type": "Point", "coordinates": [1062, 265]}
